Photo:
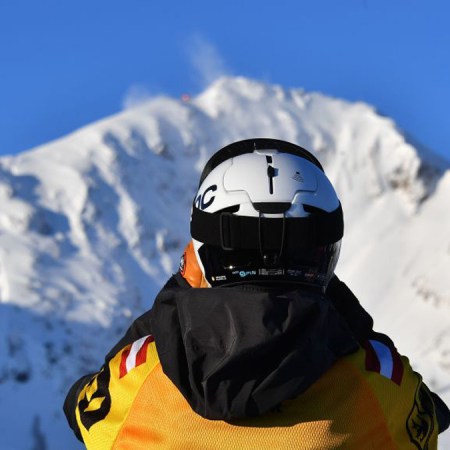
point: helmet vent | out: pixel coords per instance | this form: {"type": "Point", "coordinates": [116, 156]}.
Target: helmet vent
{"type": "Point", "coordinates": [230, 209]}
{"type": "Point", "coordinates": [272, 208]}
{"type": "Point", "coordinates": [313, 209]}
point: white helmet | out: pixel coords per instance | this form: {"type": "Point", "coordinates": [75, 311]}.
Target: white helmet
{"type": "Point", "coordinates": [265, 212]}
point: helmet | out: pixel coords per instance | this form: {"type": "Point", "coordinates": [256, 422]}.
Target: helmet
{"type": "Point", "coordinates": [264, 212]}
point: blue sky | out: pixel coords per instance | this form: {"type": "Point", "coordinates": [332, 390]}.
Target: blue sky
{"type": "Point", "coordinates": [66, 64]}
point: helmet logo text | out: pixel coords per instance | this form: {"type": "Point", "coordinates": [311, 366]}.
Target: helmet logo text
{"type": "Point", "coordinates": [202, 202]}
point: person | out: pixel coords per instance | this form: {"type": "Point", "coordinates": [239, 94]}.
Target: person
{"type": "Point", "coordinates": [255, 343]}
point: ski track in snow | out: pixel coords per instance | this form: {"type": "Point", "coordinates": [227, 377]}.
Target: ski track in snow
{"type": "Point", "coordinates": [93, 224]}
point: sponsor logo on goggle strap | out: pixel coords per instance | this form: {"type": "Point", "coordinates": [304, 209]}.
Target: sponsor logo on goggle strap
{"type": "Point", "coordinates": [244, 273]}
{"type": "Point", "coordinates": [271, 272]}
{"type": "Point", "coordinates": [219, 278]}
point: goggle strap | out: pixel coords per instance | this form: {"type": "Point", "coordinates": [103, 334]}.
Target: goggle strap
{"type": "Point", "coordinates": [232, 232]}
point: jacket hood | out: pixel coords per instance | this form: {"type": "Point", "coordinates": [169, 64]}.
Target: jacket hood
{"type": "Point", "coordinates": [238, 352]}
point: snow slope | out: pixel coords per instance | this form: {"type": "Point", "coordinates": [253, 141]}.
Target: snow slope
{"type": "Point", "coordinates": [93, 224]}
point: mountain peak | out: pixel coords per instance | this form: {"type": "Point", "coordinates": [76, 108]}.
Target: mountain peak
{"type": "Point", "coordinates": [93, 224]}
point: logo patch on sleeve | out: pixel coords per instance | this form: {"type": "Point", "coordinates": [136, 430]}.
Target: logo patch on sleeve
{"type": "Point", "coordinates": [420, 423]}
{"type": "Point", "coordinates": [383, 358]}
{"type": "Point", "coordinates": [95, 404]}
{"type": "Point", "coordinates": [135, 355]}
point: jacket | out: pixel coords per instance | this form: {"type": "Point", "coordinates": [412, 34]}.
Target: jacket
{"type": "Point", "coordinates": [251, 367]}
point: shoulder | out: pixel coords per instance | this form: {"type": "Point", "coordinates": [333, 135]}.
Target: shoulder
{"type": "Point", "coordinates": [110, 392]}
{"type": "Point", "coordinates": [383, 368]}
{"type": "Point", "coordinates": [404, 401]}
{"type": "Point", "coordinates": [105, 400]}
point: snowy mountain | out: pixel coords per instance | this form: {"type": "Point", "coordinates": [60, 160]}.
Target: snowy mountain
{"type": "Point", "coordinates": [93, 224]}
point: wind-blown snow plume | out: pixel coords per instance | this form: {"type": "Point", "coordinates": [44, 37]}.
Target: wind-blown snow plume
{"type": "Point", "coordinates": [205, 59]}
{"type": "Point", "coordinates": [136, 95]}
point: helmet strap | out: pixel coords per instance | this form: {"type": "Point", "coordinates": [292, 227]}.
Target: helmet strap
{"type": "Point", "coordinates": [260, 238]}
